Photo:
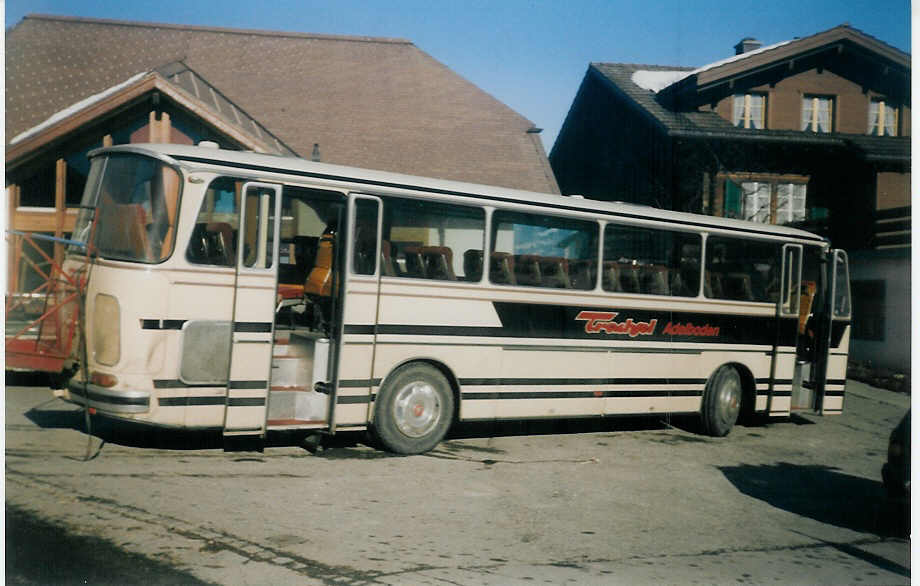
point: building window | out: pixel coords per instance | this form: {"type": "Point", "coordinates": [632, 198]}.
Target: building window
{"type": "Point", "coordinates": [883, 118]}
{"type": "Point", "coordinates": [766, 200]}
{"type": "Point", "coordinates": [818, 113]}
{"type": "Point", "coordinates": [868, 310]}
{"type": "Point", "coordinates": [749, 110]}
{"type": "Point", "coordinates": [790, 203]}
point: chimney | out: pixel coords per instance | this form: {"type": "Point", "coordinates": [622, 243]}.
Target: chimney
{"type": "Point", "coordinates": [747, 44]}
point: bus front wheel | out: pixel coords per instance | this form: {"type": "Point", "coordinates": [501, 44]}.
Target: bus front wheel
{"type": "Point", "coordinates": [413, 410]}
{"type": "Point", "coordinates": [721, 401]}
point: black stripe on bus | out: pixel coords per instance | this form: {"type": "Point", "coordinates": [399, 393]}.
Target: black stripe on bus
{"type": "Point", "coordinates": [162, 324]}
{"type": "Point", "coordinates": [778, 381]}
{"type": "Point", "coordinates": [191, 401]}
{"type": "Point", "coordinates": [178, 384]}
{"type": "Point", "coordinates": [235, 384]}
{"type": "Point", "coordinates": [838, 393]}
{"type": "Point", "coordinates": [357, 383]}
{"type": "Point", "coordinates": [439, 191]}
{"type": "Point", "coordinates": [204, 401]}
{"type": "Point", "coordinates": [252, 327]}
{"type": "Point", "coordinates": [353, 400]}
{"type": "Point", "coordinates": [474, 396]}
{"type": "Point", "coordinates": [534, 320]}
{"type": "Point", "coordinates": [579, 381]}
{"type": "Point", "coordinates": [249, 384]}
{"type": "Point", "coordinates": [245, 401]}
{"type": "Point", "coordinates": [176, 324]}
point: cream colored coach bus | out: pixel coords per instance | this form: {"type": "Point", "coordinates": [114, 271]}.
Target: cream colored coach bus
{"type": "Point", "coordinates": [252, 293]}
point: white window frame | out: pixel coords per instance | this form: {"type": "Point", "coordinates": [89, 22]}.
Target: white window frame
{"type": "Point", "coordinates": [879, 122]}
{"type": "Point", "coordinates": [743, 108]}
{"type": "Point", "coordinates": [811, 113]}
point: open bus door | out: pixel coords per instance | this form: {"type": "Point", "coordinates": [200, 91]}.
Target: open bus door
{"type": "Point", "coordinates": [788, 314]}
{"type": "Point", "coordinates": [362, 291]}
{"type": "Point", "coordinates": [824, 293]}
{"type": "Point", "coordinates": [832, 348]}
{"type": "Point", "coordinates": [253, 316]}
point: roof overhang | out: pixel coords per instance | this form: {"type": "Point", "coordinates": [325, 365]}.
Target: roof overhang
{"type": "Point", "coordinates": [742, 68]}
{"type": "Point", "coordinates": [114, 100]}
{"type": "Point", "coordinates": [895, 150]}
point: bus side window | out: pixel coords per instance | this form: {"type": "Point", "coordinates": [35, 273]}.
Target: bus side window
{"type": "Point", "coordinates": [742, 269]}
{"type": "Point", "coordinates": [365, 240]}
{"type": "Point", "coordinates": [543, 251]}
{"type": "Point", "coordinates": [651, 261]}
{"type": "Point", "coordinates": [432, 240]}
{"type": "Point", "coordinates": [213, 240]}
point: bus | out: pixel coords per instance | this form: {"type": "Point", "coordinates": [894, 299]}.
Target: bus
{"type": "Point", "coordinates": [252, 293]}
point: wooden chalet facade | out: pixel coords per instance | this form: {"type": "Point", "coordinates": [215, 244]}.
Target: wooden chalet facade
{"type": "Point", "coordinates": [814, 132]}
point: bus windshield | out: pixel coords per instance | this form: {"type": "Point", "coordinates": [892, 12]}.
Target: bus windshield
{"type": "Point", "coordinates": [134, 200]}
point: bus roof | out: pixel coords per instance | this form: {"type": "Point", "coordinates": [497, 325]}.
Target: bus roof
{"type": "Point", "coordinates": [186, 155]}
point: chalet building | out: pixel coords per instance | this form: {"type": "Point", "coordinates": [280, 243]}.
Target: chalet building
{"type": "Point", "coordinates": [813, 131]}
{"type": "Point", "coordinates": [75, 84]}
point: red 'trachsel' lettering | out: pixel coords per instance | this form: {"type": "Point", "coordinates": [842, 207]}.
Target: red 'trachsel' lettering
{"type": "Point", "coordinates": [602, 321]}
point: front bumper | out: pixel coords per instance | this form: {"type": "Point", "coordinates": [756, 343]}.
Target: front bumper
{"type": "Point", "coordinates": [107, 400]}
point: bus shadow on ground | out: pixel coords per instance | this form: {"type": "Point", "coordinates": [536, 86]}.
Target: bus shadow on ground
{"type": "Point", "coordinates": [125, 433]}
{"type": "Point", "coordinates": [824, 494]}
{"type": "Point", "coordinates": [513, 428]}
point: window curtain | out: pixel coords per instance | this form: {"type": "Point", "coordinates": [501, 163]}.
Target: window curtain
{"type": "Point", "coordinates": [874, 117]}
{"type": "Point", "coordinates": [891, 121]}
{"type": "Point", "coordinates": [738, 110]}
{"type": "Point", "coordinates": [757, 111]}
{"type": "Point", "coordinates": [790, 202]}
{"type": "Point", "coordinates": [756, 202]}
{"type": "Point", "coordinates": [824, 114]}
{"type": "Point", "coordinates": [807, 110]}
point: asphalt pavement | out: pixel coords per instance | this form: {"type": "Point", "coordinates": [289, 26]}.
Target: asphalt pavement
{"type": "Point", "coordinates": [612, 501]}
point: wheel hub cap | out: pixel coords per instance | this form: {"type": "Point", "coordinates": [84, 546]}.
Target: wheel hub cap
{"type": "Point", "coordinates": [416, 409]}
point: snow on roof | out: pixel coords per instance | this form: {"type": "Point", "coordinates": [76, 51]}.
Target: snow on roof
{"type": "Point", "coordinates": [74, 108]}
{"type": "Point", "coordinates": [658, 80]}
{"type": "Point", "coordinates": [740, 57]}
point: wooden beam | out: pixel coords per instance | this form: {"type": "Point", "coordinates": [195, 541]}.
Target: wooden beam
{"type": "Point", "coordinates": [107, 140]}
{"type": "Point", "coordinates": [60, 206]}
{"type": "Point", "coordinates": [165, 127]}
{"type": "Point", "coordinates": [153, 134]}
{"type": "Point", "coordinates": [15, 245]}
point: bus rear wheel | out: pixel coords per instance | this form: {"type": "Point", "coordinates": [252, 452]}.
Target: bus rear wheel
{"type": "Point", "coordinates": [721, 401]}
{"type": "Point", "coordinates": [413, 410]}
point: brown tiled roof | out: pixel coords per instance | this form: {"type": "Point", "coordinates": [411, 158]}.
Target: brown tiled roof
{"type": "Point", "coordinates": [368, 102]}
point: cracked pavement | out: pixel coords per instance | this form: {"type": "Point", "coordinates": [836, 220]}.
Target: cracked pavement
{"type": "Point", "coordinates": [632, 501]}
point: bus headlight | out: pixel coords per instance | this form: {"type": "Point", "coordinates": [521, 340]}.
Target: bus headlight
{"type": "Point", "coordinates": [106, 330]}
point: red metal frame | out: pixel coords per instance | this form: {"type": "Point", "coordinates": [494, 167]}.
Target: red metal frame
{"type": "Point", "coordinates": [46, 343]}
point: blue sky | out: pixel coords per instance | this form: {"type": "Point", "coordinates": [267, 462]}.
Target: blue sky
{"type": "Point", "coordinates": [530, 54]}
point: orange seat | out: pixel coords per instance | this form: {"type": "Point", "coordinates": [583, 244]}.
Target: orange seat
{"type": "Point", "coordinates": [319, 281]}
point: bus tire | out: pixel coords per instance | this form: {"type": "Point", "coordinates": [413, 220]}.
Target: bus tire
{"type": "Point", "coordinates": [413, 410]}
{"type": "Point", "coordinates": [721, 401]}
